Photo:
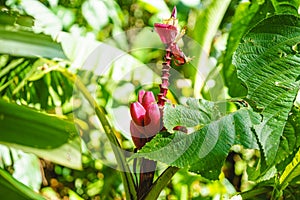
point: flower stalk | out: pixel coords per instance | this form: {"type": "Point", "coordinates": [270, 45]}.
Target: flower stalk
{"type": "Point", "coordinates": [147, 114]}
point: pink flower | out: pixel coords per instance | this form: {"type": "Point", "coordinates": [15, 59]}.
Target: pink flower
{"type": "Point", "coordinates": [166, 32]}
{"type": "Point", "coordinates": [146, 118]}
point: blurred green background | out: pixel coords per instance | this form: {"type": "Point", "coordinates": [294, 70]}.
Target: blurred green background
{"type": "Point", "coordinates": [40, 36]}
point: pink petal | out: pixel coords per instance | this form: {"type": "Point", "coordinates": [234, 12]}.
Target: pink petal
{"type": "Point", "coordinates": [137, 112]}
{"type": "Point", "coordinates": [152, 123]}
{"type": "Point", "coordinates": [136, 130]}
{"type": "Point", "coordinates": [166, 32]}
{"type": "Point", "coordinates": [141, 95]}
{"type": "Point", "coordinates": [179, 56]}
{"type": "Point", "coordinates": [138, 138]}
{"type": "Point", "coordinates": [148, 99]}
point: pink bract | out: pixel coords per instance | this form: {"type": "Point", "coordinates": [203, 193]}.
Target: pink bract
{"type": "Point", "coordinates": [166, 32]}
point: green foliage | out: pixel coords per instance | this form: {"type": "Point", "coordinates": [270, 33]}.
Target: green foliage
{"type": "Point", "coordinates": [269, 65]}
{"type": "Point", "coordinates": [259, 43]}
{"type": "Point", "coordinates": [243, 15]}
{"type": "Point", "coordinates": [206, 27]}
{"type": "Point", "coordinates": [14, 189]}
{"type": "Point", "coordinates": [203, 151]}
{"type": "Point", "coordinates": [45, 135]}
{"type": "Point", "coordinates": [290, 139]}
{"type": "Point", "coordinates": [16, 119]}
{"type": "Point", "coordinates": [292, 171]}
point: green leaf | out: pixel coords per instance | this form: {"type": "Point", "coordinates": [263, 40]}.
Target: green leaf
{"type": "Point", "coordinates": [13, 189]}
{"type": "Point", "coordinates": [290, 139]}
{"type": "Point", "coordinates": [47, 136]}
{"type": "Point", "coordinates": [268, 62]}
{"type": "Point", "coordinates": [34, 80]}
{"type": "Point", "coordinates": [287, 7]}
{"type": "Point", "coordinates": [204, 150]}
{"type": "Point", "coordinates": [28, 44]}
{"type": "Point", "coordinates": [291, 171]}
{"type": "Point", "coordinates": [196, 114]}
{"type": "Point", "coordinates": [12, 18]}
{"type": "Point", "coordinates": [243, 17]}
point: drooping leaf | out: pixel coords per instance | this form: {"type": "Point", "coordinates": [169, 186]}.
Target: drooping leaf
{"type": "Point", "coordinates": [35, 132]}
{"type": "Point", "coordinates": [204, 150]}
{"type": "Point", "coordinates": [268, 62]}
{"type": "Point", "coordinates": [18, 42]}
{"type": "Point", "coordinates": [10, 188]}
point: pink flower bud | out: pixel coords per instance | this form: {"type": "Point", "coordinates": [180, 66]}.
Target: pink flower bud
{"type": "Point", "coordinates": [148, 99]}
{"type": "Point", "coordinates": [137, 112]}
{"type": "Point", "coordinates": [141, 95]}
{"type": "Point", "coordinates": [152, 120]}
{"type": "Point", "coordinates": [146, 118]}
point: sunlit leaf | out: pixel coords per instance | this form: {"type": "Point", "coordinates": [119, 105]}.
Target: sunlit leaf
{"type": "Point", "coordinates": [28, 44]}
{"type": "Point", "coordinates": [47, 136]}
{"type": "Point", "coordinates": [202, 151]}
{"type": "Point", "coordinates": [291, 171]}
{"type": "Point", "coordinates": [206, 27]}
{"type": "Point", "coordinates": [13, 189]}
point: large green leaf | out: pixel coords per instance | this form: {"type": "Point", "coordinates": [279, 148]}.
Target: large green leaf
{"type": "Point", "coordinates": [268, 61]}
{"type": "Point", "coordinates": [244, 16]}
{"type": "Point", "coordinates": [204, 150]}
{"type": "Point", "coordinates": [17, 37]}
{"type": "Point", "coordinates": [28, 44]}
{"type": "Point", "coordinates": [247, 15]}
{"type": "Point", "coordinates": [10, 188]}
{"type": "Point", "coordinates": [45, 135]}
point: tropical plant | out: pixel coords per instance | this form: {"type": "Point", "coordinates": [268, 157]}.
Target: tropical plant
{"type": "Point", "coordinates": [225, 124]}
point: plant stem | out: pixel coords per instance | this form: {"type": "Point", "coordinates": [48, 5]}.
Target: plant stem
{"type": "Point", "coordinates": [160, 183]}
{"type": "Point", "coordinates": [147, 167]}
{"type": "Point", "coordinates": [164, 86]}
{"type": "Point", "coordinates": [127, 177]}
